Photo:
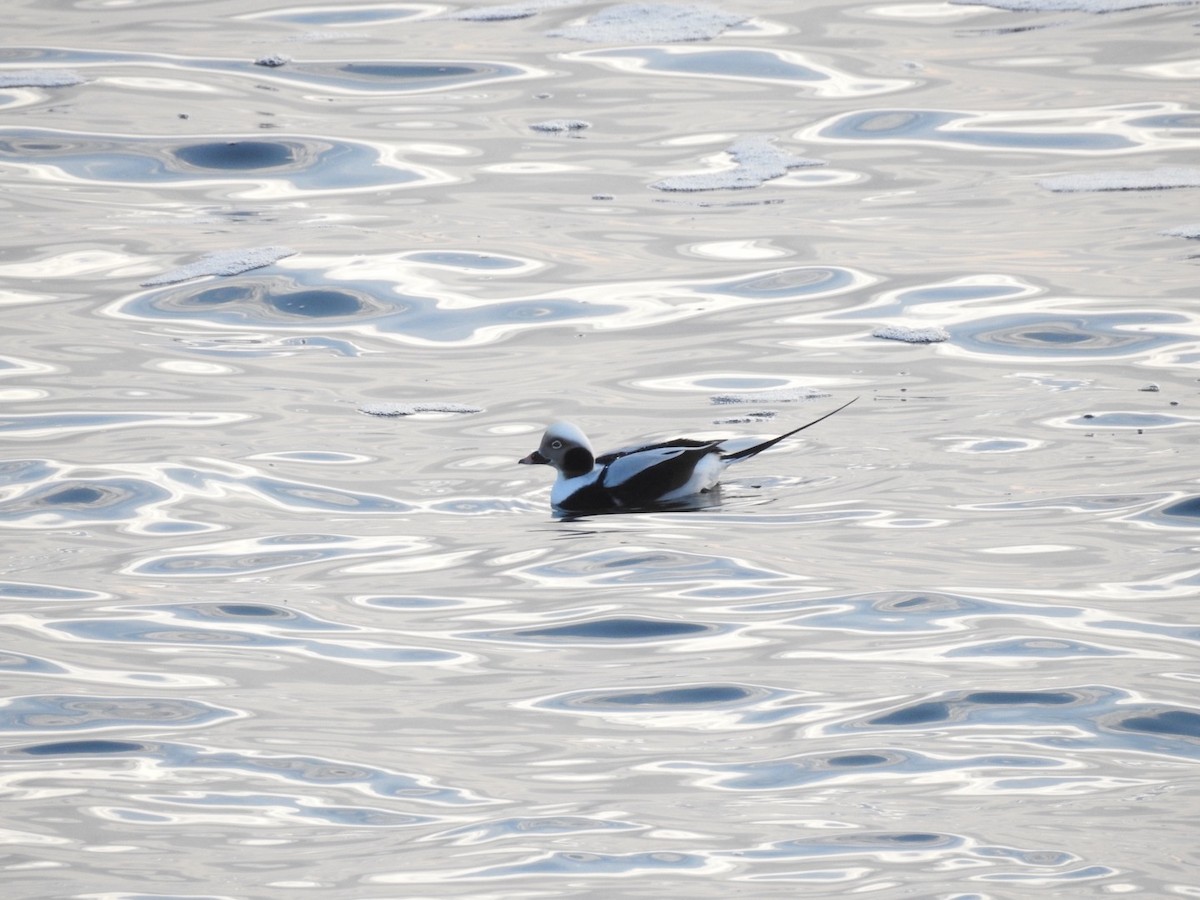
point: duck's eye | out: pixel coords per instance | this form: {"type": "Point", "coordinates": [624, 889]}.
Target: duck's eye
{"type": "Point", "coordinates": [556, 445]}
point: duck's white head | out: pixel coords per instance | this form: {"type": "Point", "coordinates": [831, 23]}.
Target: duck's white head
{"type": "Point", "coordinates": [566, 448]}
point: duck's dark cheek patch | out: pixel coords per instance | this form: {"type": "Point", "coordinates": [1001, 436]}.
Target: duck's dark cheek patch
{"type": "Point", "coordinates": [576, 461]}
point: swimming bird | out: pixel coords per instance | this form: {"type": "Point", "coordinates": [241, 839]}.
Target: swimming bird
{"type": "Point", "coordinates": [637, 478]}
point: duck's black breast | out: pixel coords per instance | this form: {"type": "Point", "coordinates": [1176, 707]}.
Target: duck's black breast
{"type": "Point", "coordinates": [593, 497]}
{"type": "Point", "coordinates": [669, 467]}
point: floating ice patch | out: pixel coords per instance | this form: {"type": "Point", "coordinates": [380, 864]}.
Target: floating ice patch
{"type": "Point", "coordinates": [40, 78]}
{"type": "Point", "coordinates": [557, 126]}
{"type": "Point", "coordinates": [1146, 180]}
{"type": "Point", "coordinates": [1088, 6]}
{"type": "Point", "coordinates": [223, 262]}
{"type": "Point", "coordinates": [929, 335]}
{"type": "Point", "coordinates": [748, 418]}
{"type": "Point", "coordinates": [757, 159]}
{"type": "Point", "coordinates": [505, 11]}
{"type": "Point", "coordinates": [651, 23]}
{"type": "Point", "coordinates": [778, 395]}
{"type": "Point", "coordinates": [274, 61]}
{"type": "Point", "coordinates": [1192, 232]}
{"type": "Point", "coordinates": [409, 409]}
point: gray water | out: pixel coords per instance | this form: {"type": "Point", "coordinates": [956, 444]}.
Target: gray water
{"type": "Point", "coordinates": [261, 641]}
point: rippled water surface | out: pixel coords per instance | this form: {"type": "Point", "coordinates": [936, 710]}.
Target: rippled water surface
{"type": "Point", "coordinates": [267, 636]}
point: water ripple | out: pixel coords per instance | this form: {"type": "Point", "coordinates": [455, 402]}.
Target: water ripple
{"type": "Point", "coordinates": [362, 77]}
{"type": "Point", "coordinates": [404, 297]}
{"type": "Point", "coordinates": [671, 573]}
{"type": "Point", "coordinates": [249, 626]}
{"type": "Point", "coordinates": [267, 553]}
{"type": "Point", "coordinates": [1100, 130]}
{"type": "Point", "coordinates": [777, 68]}
{"type": "Point", "coordinates": [48, 426]}
{"type": "Point", "coordinates": [704, 707]}
{"type": "Point", "coordinates": [47, 494]}
{"type": "Point", "coordinates": [177, 763]}
{"type": "Point", "coordinates": [64, 712]}
{"type": "Point", "coordinates": [282, 166]}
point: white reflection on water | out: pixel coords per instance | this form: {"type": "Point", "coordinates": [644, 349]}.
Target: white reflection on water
{"type": "Point", "coordinates": [261, 641]}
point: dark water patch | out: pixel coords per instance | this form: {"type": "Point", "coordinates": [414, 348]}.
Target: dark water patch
{"type": "Point", "coordinates": [1184, 513]}
{"type": "Point", "coordinates": [1189, 508]}
{"type": "Point", "coordinates": [917, 714]}
{"type": "Point", "coordinates": [56, 712]}
{"type": "Point", "coordinates": [702, 695]}
{"type": "Point", "coordinates": [858, 760]}
{"type": "Point", "coordinates": [623, 629]}
{"type": "Point", "coordinates": [238, 155]}
{"type": "Point", "coordinates": [960, 708]}
{"type": "Point", "coordinates": [748, 703]}
{"type": "Point", "coordinates": [858, 843]}
{"type": "Point", "coordinates": [967, 130]}
{"type": "Point", "coordinates": [407, 71]}
{"type": "Point", "coordinates": [1175, 722]}
{"type": "Point", "coordinates": [83, 748]}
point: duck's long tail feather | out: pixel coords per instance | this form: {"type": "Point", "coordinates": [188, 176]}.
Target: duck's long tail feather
{"type": "Point", "coordinates": [759, 448]}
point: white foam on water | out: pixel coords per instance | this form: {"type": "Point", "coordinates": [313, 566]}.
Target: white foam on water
{"type": "Point", "coordinates": [1183, 231]}
{"type": "Point", "coordinates": [930, 334]}
{"type": "Point", "coordinates": [1143, 180]}
{"type": "Point", "coordinates": [776, 395]}
{"type": "Point", "coordinates": [557, 126]}
{"type": "Point", "coordinates": [409, 409]}
{"type": "Point", "coordinates": [505, 11]}
{"type": "Point", "coordinates": [222, 262]}
{"type": "Point", "coordinates": [653, 23]}
{"type": "Point", "coordinates": [41, 78]}
{"type": "Point", "coordinates": [757, 159]}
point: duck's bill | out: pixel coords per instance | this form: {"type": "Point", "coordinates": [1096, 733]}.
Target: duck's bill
{"type": "Point", "coordinates": [534, 459]}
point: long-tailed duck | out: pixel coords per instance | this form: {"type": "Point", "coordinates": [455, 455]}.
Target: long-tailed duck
{"type": "Point", "coordinates": [643, 477]}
